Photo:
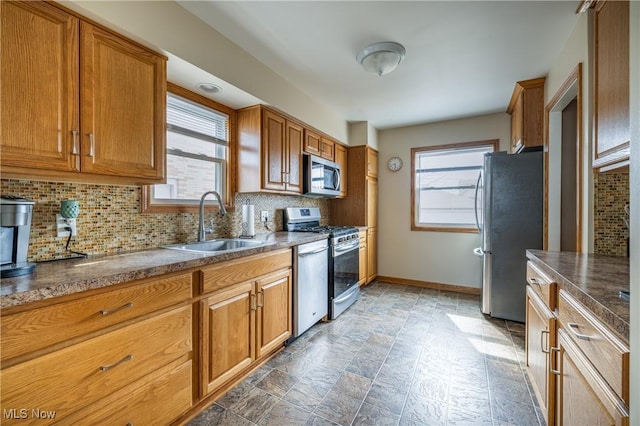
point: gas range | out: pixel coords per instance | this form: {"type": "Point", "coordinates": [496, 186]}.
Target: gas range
{"type": "Point", "coordinates": [308, 220]}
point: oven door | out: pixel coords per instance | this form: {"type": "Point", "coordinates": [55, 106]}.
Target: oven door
{"type": "Point", "coordinates": [345, 267]}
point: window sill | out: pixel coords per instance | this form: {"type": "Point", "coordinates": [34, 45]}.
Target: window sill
{"type": "Point", "coordinates": [444, 229]}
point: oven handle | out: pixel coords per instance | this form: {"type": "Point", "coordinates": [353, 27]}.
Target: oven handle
{"type": "Point", "coordinates": [346, 248]}
{"type": "Point", "coordinates": [345, 296]}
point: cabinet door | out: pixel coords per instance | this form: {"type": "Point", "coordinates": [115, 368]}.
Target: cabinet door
{"type": "Point", "coordinates": [312, 142]}
{"type": "Point", "coordinates": [372, 163]}
{"type": "Point", "coordinates": [362, 259]}
{"type": "Point", "coordinates": [327, 149]}
{"type": "Point", "coordinates": [341, 159]}
{"type": "Point", "coordinates": [228, 320]}
{"type": "Point", "coordinates": [274, 151]}
{"type": "Point", "coordinates": [372, 202]}
{"type": "Point", "coordinates": [294, 157]}
{"type": "Point", "coordinates": [123, 106]}
{"type": "Point", "coordinates": [540, 336]}
{"type": "Point", "coordinates": [612, 133]}
{"type": "Point", "coordinates": [372, 254]}
{"type": "Point", "coordinates": [274, 311]}
{"type": "Point", "coordinates": [38, 87]}
{"type": "Point", "coordinates": [584, 396]}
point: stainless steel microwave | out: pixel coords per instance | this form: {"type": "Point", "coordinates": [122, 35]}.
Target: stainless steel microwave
{"type": "Point", "coordinates": [321, 177]}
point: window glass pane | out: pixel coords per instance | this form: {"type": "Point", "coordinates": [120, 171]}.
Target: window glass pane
{"type": "Point", "coordinates": [189, 115]}
{"type": "Point", "coordinates": [197, 152]}
{"type": "Point", "coordinates": [445, 181]}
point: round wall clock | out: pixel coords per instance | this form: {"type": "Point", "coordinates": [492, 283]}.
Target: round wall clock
{"type": "Point", "coordinates": [394, 164]}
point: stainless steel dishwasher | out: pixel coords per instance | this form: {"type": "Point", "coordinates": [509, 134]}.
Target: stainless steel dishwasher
{"type": "Point", "coordinates": [310, 285]}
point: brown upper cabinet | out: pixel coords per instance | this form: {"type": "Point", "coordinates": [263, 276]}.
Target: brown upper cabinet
{"type": "Point", "coordinates": [327, 148]}
{"type": "Point", "coordinates": [78, 102]}
{"type": "Point", "coordinates": [269, 152]}
{"type": "Point", "coordinates": [527, 108]}
{"type": "Point", "coordinates": [316, 144]}
{"type": "Point", "coordinates": [341, 159]}
{"type": "Point", "coordinates": [611, 80]}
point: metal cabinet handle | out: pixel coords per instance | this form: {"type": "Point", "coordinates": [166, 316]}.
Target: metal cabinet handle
{"type": "Point", "coordinates": [552, 351]}
{"type": "Point", "coordinates": [92, 145]}
{"type": "Point", "coordinates": [109, 367]}
{"type": "Point", "coordinates": [542, 339]}
{"type": "Point", "coordinates": [252, 303]}
{"type": "Point", "coordinates": [261, 304]}
{"type": "Point", "coordinates": [111, 311]}
{"type": "Point", "coordinates": [74, 148]}
{"type": "Point", "coordinates": [573, 326]}
{"type": "Point", "coordinates": [533, 280]}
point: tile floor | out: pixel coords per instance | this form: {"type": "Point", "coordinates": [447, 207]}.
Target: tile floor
{"type": "Point", "coordinates": [400, 356]}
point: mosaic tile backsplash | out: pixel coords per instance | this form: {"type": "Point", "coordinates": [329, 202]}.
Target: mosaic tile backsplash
{"type": "Point", "coordinates": [110, 220]}
{"type": "Point", "coordinates": [611, 193]}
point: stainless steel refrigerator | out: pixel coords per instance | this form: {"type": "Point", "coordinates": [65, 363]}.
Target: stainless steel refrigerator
{"type": "Point", "coordinates": [509, 210]}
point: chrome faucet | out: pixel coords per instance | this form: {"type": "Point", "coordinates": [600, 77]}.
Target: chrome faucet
{"type": "Point", "coordinates": [223, 211]}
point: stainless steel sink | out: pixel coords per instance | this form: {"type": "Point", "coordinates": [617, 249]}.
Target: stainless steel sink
{"type": "Point", "coordinates": [218, 245]}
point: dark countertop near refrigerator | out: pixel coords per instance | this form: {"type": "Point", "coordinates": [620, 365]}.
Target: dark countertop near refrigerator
{"type": "Point", "coordinates": [64, 277]}
{"type": "Point", "coordinates": [594, 280]}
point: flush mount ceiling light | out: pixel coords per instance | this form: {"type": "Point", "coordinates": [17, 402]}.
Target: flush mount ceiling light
{"type": "Point", "coordinates": [381, 58]}
{"type": "Point", "coordinates": [209, 88]}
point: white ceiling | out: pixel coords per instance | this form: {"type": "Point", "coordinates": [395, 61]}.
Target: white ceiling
{"type": "Point", "coordinates": [463, 57]}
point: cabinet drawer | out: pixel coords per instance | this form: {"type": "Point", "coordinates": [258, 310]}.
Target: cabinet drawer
{"type": "Point", "coordinates": [585, 398]}
{"type": "Point", "coordinates": [236, 271]}
{"type": "Point", "coordinates": [546, 288]}
{"type": "Point", "coordinates": [607, 353]}
{"type": "Point", "coordinates": [158, 402]}
{"type": "Point", "coordinates": [73, 377]}
{"type": "Point", "coordinates": [36, 329]}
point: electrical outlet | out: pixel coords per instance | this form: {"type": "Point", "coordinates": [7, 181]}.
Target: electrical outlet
{"type": "Point", "coordinates": [62, 223]}
{"type": "Point", "coordinates": [264, 215]}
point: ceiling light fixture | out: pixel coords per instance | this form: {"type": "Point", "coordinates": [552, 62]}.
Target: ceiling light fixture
{"type": "Point", "coordinates": [209, 88]}
{"type": "Point", "coordinates": [381, 58]}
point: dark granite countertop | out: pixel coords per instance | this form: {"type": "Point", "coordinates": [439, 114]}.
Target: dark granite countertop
{"type": "Point", "coordinates": [60, 278]}
{"type": "Point", "coordinates": [592, 279]}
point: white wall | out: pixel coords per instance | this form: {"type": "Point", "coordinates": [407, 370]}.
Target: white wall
{"type": "Point", "coordinates": [439, 257]}
{"type": "Point", "coordinates": [634, 48]}
{"type": "Point", "coordinates": [166, 26]}
{"type": "Point", "coordinates": [363, 133]}
{"type": "Point", "coordinates": [575, 51]}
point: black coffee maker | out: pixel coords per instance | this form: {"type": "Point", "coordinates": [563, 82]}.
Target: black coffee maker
{"type": "Point", "coordinates": [15, 222]}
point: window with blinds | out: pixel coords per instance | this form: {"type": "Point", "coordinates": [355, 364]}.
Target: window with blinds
{"type": "Point", "coordinates": [444, 183]}
{"type": "Point", "coordinates": [197, 152]}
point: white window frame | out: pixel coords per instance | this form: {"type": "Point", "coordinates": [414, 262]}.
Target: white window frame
{"type": "Point", "coordinates": [491, 145]}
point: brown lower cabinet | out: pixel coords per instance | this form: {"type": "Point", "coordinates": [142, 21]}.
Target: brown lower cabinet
{"type": "Point", "coordinates": [362, 259]}
{"type": "Point", "coordinates": [540, 337]}
{"type": "Point", "coordinates": [579, 368]}
{"type": "Point", "coordinates": [245, 320]}
{"type": "Point", "coordinates": [147, 351]}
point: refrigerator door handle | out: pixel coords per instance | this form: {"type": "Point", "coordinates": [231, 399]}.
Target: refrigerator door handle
{"type": "Point", "coordinates": [475, 203]}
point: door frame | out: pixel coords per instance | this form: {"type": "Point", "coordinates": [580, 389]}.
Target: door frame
{"type": "Point", "coordinates": [570, 89]}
